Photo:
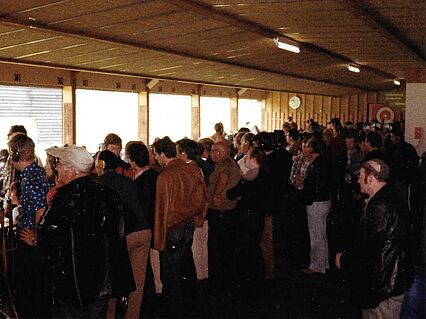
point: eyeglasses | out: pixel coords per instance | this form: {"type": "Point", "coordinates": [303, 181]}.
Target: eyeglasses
{"type": "Point", "coordinates": [56, 162]}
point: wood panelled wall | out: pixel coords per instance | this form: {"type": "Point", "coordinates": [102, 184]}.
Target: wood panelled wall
{"type": "Point", "coordinates": [318, 107]}
{"type": "Point", "coordinates": [274, 104]}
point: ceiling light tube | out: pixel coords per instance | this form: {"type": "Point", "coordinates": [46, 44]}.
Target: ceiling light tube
{"type": "Point", "coordinates": [353, 68]}
{"type": "Point", "coordinates": [286, 46]}
{"type": "Point", "coordinates": [396, 82]}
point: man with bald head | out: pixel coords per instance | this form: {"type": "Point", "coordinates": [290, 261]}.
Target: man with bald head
{"type": "Point", "coordinates": [222, 218]}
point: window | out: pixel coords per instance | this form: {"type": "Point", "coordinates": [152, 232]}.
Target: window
{"type": "Point", "coordinates": [38, 109]}
{"type": "Point", "coordinates": [249, 113]}
{"type": "Point", "coordinates": [212, 111]}
{"type": "Point", "coordinates": [170, 115]}
{"type": "Point", "coordinates": [103, 112]}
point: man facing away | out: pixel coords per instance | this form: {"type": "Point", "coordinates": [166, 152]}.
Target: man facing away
{"type": "Point", "coordinates": [379, 261]}
{"type": "Point", "coordinates": [83, 235]}
{"type": "Point", "coordinates": [181, 202]}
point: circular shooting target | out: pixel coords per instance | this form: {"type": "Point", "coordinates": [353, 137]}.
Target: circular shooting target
{"type": "Point", "coordinates": [385, 114]}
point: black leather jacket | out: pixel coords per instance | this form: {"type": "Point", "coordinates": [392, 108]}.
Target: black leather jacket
{"type": "Point", "coordinates": [83, 235]}
{"type": "Point", "coordinates": [316, 186]}
{"type": "Point", "coordinates": [379, 263]}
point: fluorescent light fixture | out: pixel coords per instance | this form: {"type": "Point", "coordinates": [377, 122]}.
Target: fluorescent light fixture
{"type": "Point", "coordinates": [396, 82]}
{"type": "Point", "coordinates": [353, 68]}
{"type": "Point", "coordinates": [286, 46]}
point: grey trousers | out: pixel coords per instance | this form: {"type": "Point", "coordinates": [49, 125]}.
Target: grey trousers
{"type": "Point", "coordinates": [387, 309]}
{"type": "Point", "coordinates": [317, 223]}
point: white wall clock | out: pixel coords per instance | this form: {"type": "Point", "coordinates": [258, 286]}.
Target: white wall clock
{"type": "Point", "coordinates": [294, 102]}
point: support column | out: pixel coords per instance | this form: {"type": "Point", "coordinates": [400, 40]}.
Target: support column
{"type": "Point", "coordinates": [195, 116]}
{"type": "Point", "coordinates": [234, 114]}
{"type": "Point", "coordinates": [264, 116]}
{"type": "Point", "coordinates": [69, 111]}
{"type": "Point", "coordinates": [143, 117]}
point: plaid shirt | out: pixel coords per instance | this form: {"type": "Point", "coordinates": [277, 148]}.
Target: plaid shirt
{"type": "Point", "coordinates": [300, 166]}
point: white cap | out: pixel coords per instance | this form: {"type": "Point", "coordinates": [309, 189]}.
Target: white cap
{"type": "Point", "coordinates": [73, 155]}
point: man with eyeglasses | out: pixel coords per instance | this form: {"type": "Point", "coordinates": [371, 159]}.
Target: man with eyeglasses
{"type": "Point", "coordinates": [82, 233]}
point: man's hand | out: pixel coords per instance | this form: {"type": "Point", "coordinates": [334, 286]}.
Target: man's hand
{"type": "Point", "coordinates": [28, 236]}
{"type": "Point", "coordinates": [337, 260]}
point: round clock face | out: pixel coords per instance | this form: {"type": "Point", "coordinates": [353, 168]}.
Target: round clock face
{"type": "Point", "coordinates": [294, 102]}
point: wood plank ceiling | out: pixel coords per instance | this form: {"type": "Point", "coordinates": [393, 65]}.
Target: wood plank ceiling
{"type": "Point", "coordinates": [223, 42]}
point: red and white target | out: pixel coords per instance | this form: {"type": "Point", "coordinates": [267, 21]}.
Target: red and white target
{"type": "Point", "coordinates": [385, 114]}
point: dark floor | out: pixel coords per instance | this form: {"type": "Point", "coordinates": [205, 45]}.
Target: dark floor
{"type": "Point", "coordinates": [296, 296]}
{"type": "Point", "coordinates": [301, 296]}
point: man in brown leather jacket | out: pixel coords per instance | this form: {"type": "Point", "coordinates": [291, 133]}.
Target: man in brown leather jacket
{"type": "Point", "coordinates": [181, 202]}
{"type": "Point", "coordinates": [222, 218]}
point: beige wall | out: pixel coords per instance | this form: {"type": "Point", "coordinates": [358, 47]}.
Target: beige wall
{"type": "Point", "coordinates": [415, 115]}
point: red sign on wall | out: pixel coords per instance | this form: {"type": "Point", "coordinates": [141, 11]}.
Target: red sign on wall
{"type": "Point", "coordinates": [383, 113]}
{"type": "Point", "coordinates": [417, 133]}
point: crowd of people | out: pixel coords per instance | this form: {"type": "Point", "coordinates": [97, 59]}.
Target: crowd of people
{"type": "Point", "coordinates": [103, 236]}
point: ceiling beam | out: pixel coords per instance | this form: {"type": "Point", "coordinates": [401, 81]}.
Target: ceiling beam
{"type": "Point", "coordinates": [347, 90]}
{"type": "Point", "coordinates": [34, 25]}
{"type": "Point", "coordinates": [211, 12]}
{"type": "Point", "coordinates": [374, 21]}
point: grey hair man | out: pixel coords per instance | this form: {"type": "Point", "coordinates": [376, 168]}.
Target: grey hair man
{"type": "Point", "coordinates": [83, 234]}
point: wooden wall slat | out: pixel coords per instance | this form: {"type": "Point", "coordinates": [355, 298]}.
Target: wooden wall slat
{"type": "Point", "coordinates": [268, 112]}
{"type": "Point", "coordinates": [301, 111]}
{"type": "Point", "coordinates": [362, 107]}
{"type": "Point", "coordinates": [327, 109]}
{"type": "Point", "coordinates": [275, 109]}
{"type": "Point", "coordinates": [285, 98]}
{"type": "Point", "coordinates": [317, 109]}
{"type": "Point", "coordinates": [320, 108]}
{"type": "Point", "coordinates": [309, 110]}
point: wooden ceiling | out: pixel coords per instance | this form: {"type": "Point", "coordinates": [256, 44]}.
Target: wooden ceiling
{"type": "Point", "coordinates": [223, 42]}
